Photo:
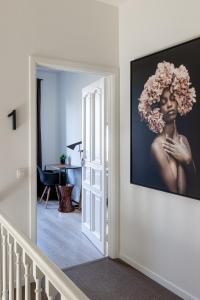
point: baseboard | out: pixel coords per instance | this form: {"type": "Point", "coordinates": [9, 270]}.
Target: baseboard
{"type": "Point", "coordinates": [162, 281]}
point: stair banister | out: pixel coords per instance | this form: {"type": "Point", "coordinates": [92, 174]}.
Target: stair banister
{"type": "Point", "coordinates": [54, 277]}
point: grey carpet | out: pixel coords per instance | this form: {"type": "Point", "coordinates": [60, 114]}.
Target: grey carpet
{"type": "Point", "coordinates": [107, 279]}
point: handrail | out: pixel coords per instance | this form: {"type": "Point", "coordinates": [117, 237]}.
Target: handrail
{"type": "Point", "coordinates": [58, 279]}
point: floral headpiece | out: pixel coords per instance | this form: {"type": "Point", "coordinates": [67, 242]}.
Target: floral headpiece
{"type": "Point", "coordinates": [166, 76]}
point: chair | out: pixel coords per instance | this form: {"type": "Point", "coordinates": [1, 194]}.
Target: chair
{"type": "Point", "coordinates": [49, 179]}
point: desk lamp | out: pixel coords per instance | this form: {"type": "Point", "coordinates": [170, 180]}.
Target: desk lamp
{"type": "Point", "coordinates": [73, 146]}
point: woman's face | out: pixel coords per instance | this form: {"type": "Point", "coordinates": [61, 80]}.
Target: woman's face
{"type": "Point", "coordinates": [168, 106]}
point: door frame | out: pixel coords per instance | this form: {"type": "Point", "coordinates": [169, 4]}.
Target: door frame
{"type": "Point", "coordinates": [112, 102]}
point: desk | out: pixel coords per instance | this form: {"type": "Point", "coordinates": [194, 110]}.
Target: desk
{"type": "Point", "coordinates": [61, 167]}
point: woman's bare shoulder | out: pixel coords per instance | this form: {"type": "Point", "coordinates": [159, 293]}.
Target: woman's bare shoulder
{"type": "Point", "coordinates": [157, 143]}
{"type": "Point", "coordinates": [158, 151]}
{"type": "Point", "coordinates": [184, 139]}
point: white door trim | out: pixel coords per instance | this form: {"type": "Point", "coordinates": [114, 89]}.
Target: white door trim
{"type": "Point", "coordinates": [112, 75]}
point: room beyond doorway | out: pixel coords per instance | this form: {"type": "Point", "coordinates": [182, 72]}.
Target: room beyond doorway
{"type": "Point", "coordinates": [60, 114]}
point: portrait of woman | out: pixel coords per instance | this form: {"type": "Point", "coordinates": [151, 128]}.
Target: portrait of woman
{"type": "Point", "coordinates": [165, 120]}
{"type": "Point", "coordinates": [166, 94]}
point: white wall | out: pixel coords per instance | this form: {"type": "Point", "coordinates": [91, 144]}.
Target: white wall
{"type": "Point", "coordinates": [70, 86]}
{"type": "Point", "coordinates": [50, 133]}
{"type": "Point", "coordinates": [83, 31]}
{"type": "Point", "coordinates": [159, 232]}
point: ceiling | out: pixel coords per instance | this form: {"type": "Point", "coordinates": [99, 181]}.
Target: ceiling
{"type": "Point", "coordinates": [113, 2]}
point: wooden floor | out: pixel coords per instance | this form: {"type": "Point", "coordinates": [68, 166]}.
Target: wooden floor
{"type": "Point", "coordinates": [59, 236]}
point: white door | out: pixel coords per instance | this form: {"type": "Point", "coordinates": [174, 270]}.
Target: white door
{"type": "Point", "coordinates": [94, 191]}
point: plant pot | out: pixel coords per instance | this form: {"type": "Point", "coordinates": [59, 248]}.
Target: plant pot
{"type": "Point", "coordinates": [62, 161]}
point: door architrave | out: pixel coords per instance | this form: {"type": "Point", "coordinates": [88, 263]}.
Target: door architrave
{"type": "Point", "coordinates": [112, 100]}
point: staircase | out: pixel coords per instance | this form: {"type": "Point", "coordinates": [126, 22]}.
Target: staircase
{"type": "Point", "coordinates": [25, 273]}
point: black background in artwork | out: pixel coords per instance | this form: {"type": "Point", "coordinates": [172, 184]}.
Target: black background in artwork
{"type": "Point", "coordinates": [142, 170]}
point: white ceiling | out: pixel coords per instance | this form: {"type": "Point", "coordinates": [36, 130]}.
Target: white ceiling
{"type": "Point", "coordinates": [113, 2]}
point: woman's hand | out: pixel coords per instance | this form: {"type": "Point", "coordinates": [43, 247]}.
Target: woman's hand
{"type": "Point", "coordinates": [178, 150]}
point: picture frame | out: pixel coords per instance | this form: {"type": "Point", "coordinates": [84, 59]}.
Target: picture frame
{"type": "Point", "coordinates": [165, 145]}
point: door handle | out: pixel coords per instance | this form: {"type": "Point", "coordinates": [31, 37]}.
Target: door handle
{"type": "Point", "coordinates": [82, 162]}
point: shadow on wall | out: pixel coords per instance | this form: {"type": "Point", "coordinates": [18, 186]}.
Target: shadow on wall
{"type": "Point", "coordinates": [11, 188]}
{"type": "Point", "coordinates": [22, 112]}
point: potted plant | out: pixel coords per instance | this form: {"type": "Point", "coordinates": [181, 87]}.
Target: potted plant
{"type": "Point", "coordinates": [63, 158]}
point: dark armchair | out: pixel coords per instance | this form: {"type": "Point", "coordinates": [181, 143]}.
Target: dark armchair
{"type": "Point", "coordinates": [49, 179]}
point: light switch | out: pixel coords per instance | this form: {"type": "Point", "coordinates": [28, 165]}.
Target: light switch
{"type": "Point", "coordinates": [20, 173]}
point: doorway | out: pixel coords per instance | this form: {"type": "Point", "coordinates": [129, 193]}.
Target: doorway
{"type": "Point", "coordinates": [97, 222]}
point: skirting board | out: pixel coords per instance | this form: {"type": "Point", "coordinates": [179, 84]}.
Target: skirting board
{"type": "Point", "coordinates": [162, 281]}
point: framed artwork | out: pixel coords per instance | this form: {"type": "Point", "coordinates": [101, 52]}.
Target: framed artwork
{"type": "Point", "coordinates": [165, 120]}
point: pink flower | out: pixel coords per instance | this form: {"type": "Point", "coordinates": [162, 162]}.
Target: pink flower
{"type": "Point", "coordinates": [166, 76]}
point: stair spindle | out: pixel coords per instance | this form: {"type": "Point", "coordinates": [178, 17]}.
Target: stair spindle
{"type": "Point", "coordinates": [4, 263]}
{"type": "Point", "coordinates": [18, 252]}
{"type": "Point", "coordinates": [38, 275]}
{"type": "Point", "coordinates": [50, 290]}
{"type": "Point", "coordinates": [27, 265]}
{"type": "Point", "coordinates": [11, 269]}
{"type": "Point", "coordinates": [1, 275]}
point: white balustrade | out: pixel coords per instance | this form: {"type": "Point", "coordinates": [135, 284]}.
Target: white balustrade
{"type": "Point", "coordinates": [22, 265]}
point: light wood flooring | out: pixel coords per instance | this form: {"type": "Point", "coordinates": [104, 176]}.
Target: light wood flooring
{"type": "Point", "coordinates": [59, 236]}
